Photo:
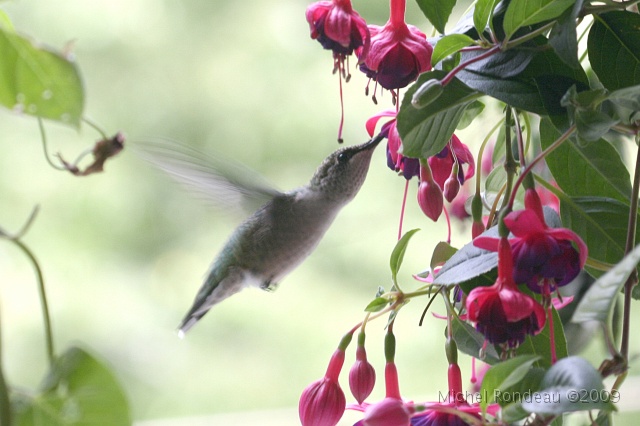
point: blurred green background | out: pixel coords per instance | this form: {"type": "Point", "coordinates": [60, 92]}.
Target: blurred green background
{"type": "Point", "coordinates": [124, 252]}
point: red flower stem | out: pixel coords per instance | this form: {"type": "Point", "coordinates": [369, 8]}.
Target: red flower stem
{"type": "Point", "coordinates": [446, 216]}
{"type": "Point", "coordinates": [539, 158]}
{"type": "Point", "coordinates": [397, 10]}
{"type": "Point", "coordinates": [552, 336]}
{"type": "Point", "coordinates": [633, 278]}
{"type": "Point", "coordinates": [402, 209]}
{"type": "Point", "coordinates": [340, 140]}
{"type": "Point", "coordinates": [447, 78]}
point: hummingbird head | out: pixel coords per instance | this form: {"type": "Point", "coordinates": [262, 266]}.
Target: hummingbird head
{"type": "Point", "coordinates": [342, 173]}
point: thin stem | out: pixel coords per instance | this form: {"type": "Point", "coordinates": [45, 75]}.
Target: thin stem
{"type": "Point", "coordinates": [481, 153]}
{"type": "Point", "coordinates": [495, 49]}
{"type": "Point", "coordinates": [509, 162]}
{"type": "Point", "coordinates": [43, 301]}
{"type": "Point", "coordinates": [508, 44]}
{"type": "Point", "coordinates": [43, 137]}
{"type": "Point", "coordinates": [630, 244]}
{"type": "Point", "coordinates": [402, 209]}
{"type": "Point", "coordinates": [539, 158]}
{"type": "Point", "coordinates": [5, 405]}
{"type": "Point", "coordinates": [521, 149]}
{"type": "Point", "coordinates": [95, 127]}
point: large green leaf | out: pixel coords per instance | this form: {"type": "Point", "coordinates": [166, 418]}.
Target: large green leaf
{"type": "Point", "coordinates": [614, 49]}
{"type": "Point", "coordinates": [504, 375]}
{"type": "Point", "coordinates": [397, 255]}
{"type": "Point", "coordinates": [563, 37]}
{"type": "Point", "coordinates": [449, 45]}
{"type": "Point", "coordinates": [597, 304]}
{"type": "Point", "coordinates": [437, 12]}
{"type": "Point", "coordinates": [586, 169]}
{"type": "Point", "coordinates": [572, 384]}
{"type": "Point", "coordinates": [521, 13]}
{"type": "Point", "coordinates": [426, 131]}
{"type": "Point", "coordinates": [38, 81]}
{"type": "Point", "coordinates": [472, 342]}
{"type": "Point", "coordinates": [600, 222]}
{"type": "Point", "coordinates": [79, 391]}
{"type": "Point", "coordinates": [482, 14]}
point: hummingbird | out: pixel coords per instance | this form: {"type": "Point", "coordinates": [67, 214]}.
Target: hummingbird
{"type": "Point", "coordinates": [281, 233]}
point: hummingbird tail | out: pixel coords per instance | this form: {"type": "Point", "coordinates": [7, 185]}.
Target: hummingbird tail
{"type": "Point", "coordinates": [211, 293]}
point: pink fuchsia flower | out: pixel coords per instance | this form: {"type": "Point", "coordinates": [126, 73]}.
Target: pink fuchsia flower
{"type": "Point", "coordinates": [323, 402]}
{"type": "Point", "coordinates": [388, 412]}
{"type": "Point", "coordinates": [338, 28]}
{"type": "Point", "coordinates": [443, 163]}
{"type": "Point", "coordinates": [502, 313]}
{"type": "Point", "coordinates": [362, 376]}
{"type": "Point", "coordinates": [541, 255]}
{"type": "Point", "coordinates": [398, 54]}
{"type": "Point", "coordinates": [409, 167]}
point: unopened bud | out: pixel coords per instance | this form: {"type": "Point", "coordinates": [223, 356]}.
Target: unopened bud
{"type": "Point", "coordinates": [427, 93]}
{"type": "Point", "coordinates": [430, 199]}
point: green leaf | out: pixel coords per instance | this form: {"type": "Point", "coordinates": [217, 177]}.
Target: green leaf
{"type": "Point", "coordinates": [474, 109]}
{"type": "Point", "coordinates": [38, 81]}
{"type": "Point", "coordinates": [449, 45]}
{"type": "Point", "coordinates": [563, 37]}
{"type": "Point", "coordinates": [482, 14]}
{"type": "Point", "coordinates": [397, 255]}
{"type": "Point", "coordinates": [377, 304]}
{"type": "Point", "coordinates": [437, 12]}
{"type": "Point", "coordinates": [441, 254]}
{"type": "Point", "coordinates": [586, 169]}
{"type": "Point", "coordinates": [426, 131]}
{"type": "Point", "coordinates": [571, 384]}
{"type": "Point", "coordinates": [597, 304]}
{"type": "Point", "coordinates": [472, 342]}
{"type": "Point", "coordinates": [600, 222]}
{"type": "Point", "coordinates": [504, 375]}
{"type": "Point", "coordinates": [614, 49]}
{"type": "Point", "coordinates": [521, 13]}
{"type": "Point", "coordinates": [629, 97]}
{"type": "Point", "coordinates": [592, 125]}
{"type": "Point", "coordinates": [79, 391]}
{"type": "Point", "coordinates": [5, 22]}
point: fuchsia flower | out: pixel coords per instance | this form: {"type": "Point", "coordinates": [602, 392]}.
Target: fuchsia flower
{"type": "Point", "coordinates": [409, 167]}
{"type": "Point", "coordinates": [398, 52]}
{"type": "Point", "coordinates": [443, 163]}
{"type": "Point", "coordinates": [338, 28]}
{"type": "Point", "coordinates": [502, 313]}
{"type": "Point", "coordinates": [541, 255]}
{"type": "Point", "coordinates": [323, 402]}
{"type": "Point", "coordinates": [430, 197]}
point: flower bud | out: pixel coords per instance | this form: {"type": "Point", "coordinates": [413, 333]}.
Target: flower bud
{"type": "Point", "coordinates": [388, 412]}
{"type": "Point", "coordinates": [362, 376]}
{"type": "Point", "coordinates": [323, 402]}
{"type": "Point", "coordinates": [430, 199]}
{"type": "Point", "coordinates": [427, 93]}
{"type": "Point", "coordinates": [451, 188]}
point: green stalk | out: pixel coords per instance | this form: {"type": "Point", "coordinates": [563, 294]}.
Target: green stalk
{"type": "Point", "coordinates": [509, 162]}
{"type": "Point", "coordinates": [5, 405]}
{"type": "Point", "coordinates": [630, 244]}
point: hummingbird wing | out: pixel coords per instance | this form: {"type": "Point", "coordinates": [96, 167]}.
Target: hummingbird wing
{"type": "Point", "coordinates": [227, 184]}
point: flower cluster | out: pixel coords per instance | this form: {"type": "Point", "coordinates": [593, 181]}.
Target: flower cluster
{"type": "Point", "coordinates": [543, 258]}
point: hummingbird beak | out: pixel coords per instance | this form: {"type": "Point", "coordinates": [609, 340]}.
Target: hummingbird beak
{"type": "Point", "coordinates": [371, 144]}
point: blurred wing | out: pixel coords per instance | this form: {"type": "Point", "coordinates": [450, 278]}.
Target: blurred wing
{"type": "Point", "coordinates": [225, 183]}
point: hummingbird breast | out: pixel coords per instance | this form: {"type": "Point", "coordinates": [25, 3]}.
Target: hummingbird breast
{"type": "Point", "coordinates": [280, 235]}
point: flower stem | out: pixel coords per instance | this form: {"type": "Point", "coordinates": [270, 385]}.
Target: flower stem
{"type": "Point", "coordinates": [404, 203]}
{"type": "Point", "coordinates": [5, 405]}
{"type": "Point", "coordinates": [397, 10]}
{"type": "Point", "coordinates": [510, 164]}
{"type": "Point", "coordinates": [633, 278]}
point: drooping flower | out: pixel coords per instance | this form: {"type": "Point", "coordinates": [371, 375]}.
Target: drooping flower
{"type": "Point", "coordinates": [323, 402]}
{"type": "Point", "coordinates": [502, 313]}
{"type": "Point", "coordinates": [409, 167]}
{"type": "Point", "coordinates": [398, 54]}
{"type": "Point", "coordinates": [443, 163]}
{"type": "Point", "coordinates": [541, 255]}
{"type": "Point", "coordinates": [362, 376]}
{"type": "Point", "coordinates": [388, 412]}
{"type": "Point", "coordinates": [338, 27]}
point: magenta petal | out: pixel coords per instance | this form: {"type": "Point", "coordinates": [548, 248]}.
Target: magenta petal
{"type": "Point", "coordinates": [486, 243]}
{"type": "Point", "coordinates": [524, 222]}
{"type": "Point", "coordinates": [567, 234]}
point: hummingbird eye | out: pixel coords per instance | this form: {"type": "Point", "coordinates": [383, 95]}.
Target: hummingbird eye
{"type": "Point", "coordinates": [343, 157]}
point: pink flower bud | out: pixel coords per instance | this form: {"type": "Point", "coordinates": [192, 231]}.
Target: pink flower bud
{"type": "Point", "coordinates": [362, 376]}
{"type": "Point", "coordinates": [323, 402]}
{"type": "Point", "coordinates": [430, 199]}
{"type": "Point", "coordinates": [477, 228]}
{"type": "Point", "coordinates": [451, 188]}
{"type": "Point", "coordinates": [388, 412]}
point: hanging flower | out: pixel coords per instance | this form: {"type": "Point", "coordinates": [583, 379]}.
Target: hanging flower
{"type": "Point", "coordinates": [362, 376]}
{"type": "Point", "coordinates": [443, 163]}
{"type": "Point", "coordinates": [502, 313]}
{"type": "Point", "coordinates": [430, 197]}
{"type": "Point", "coordinates": [541, 255]}
{"type": "Point", "coordinates": [338, 28]}
{"type": "Point", "coordinates": [323, 402]}
{"type": "Point", "coordinates": [409, 167]}
{"type": "Point", "coordinates": [398, 54]}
